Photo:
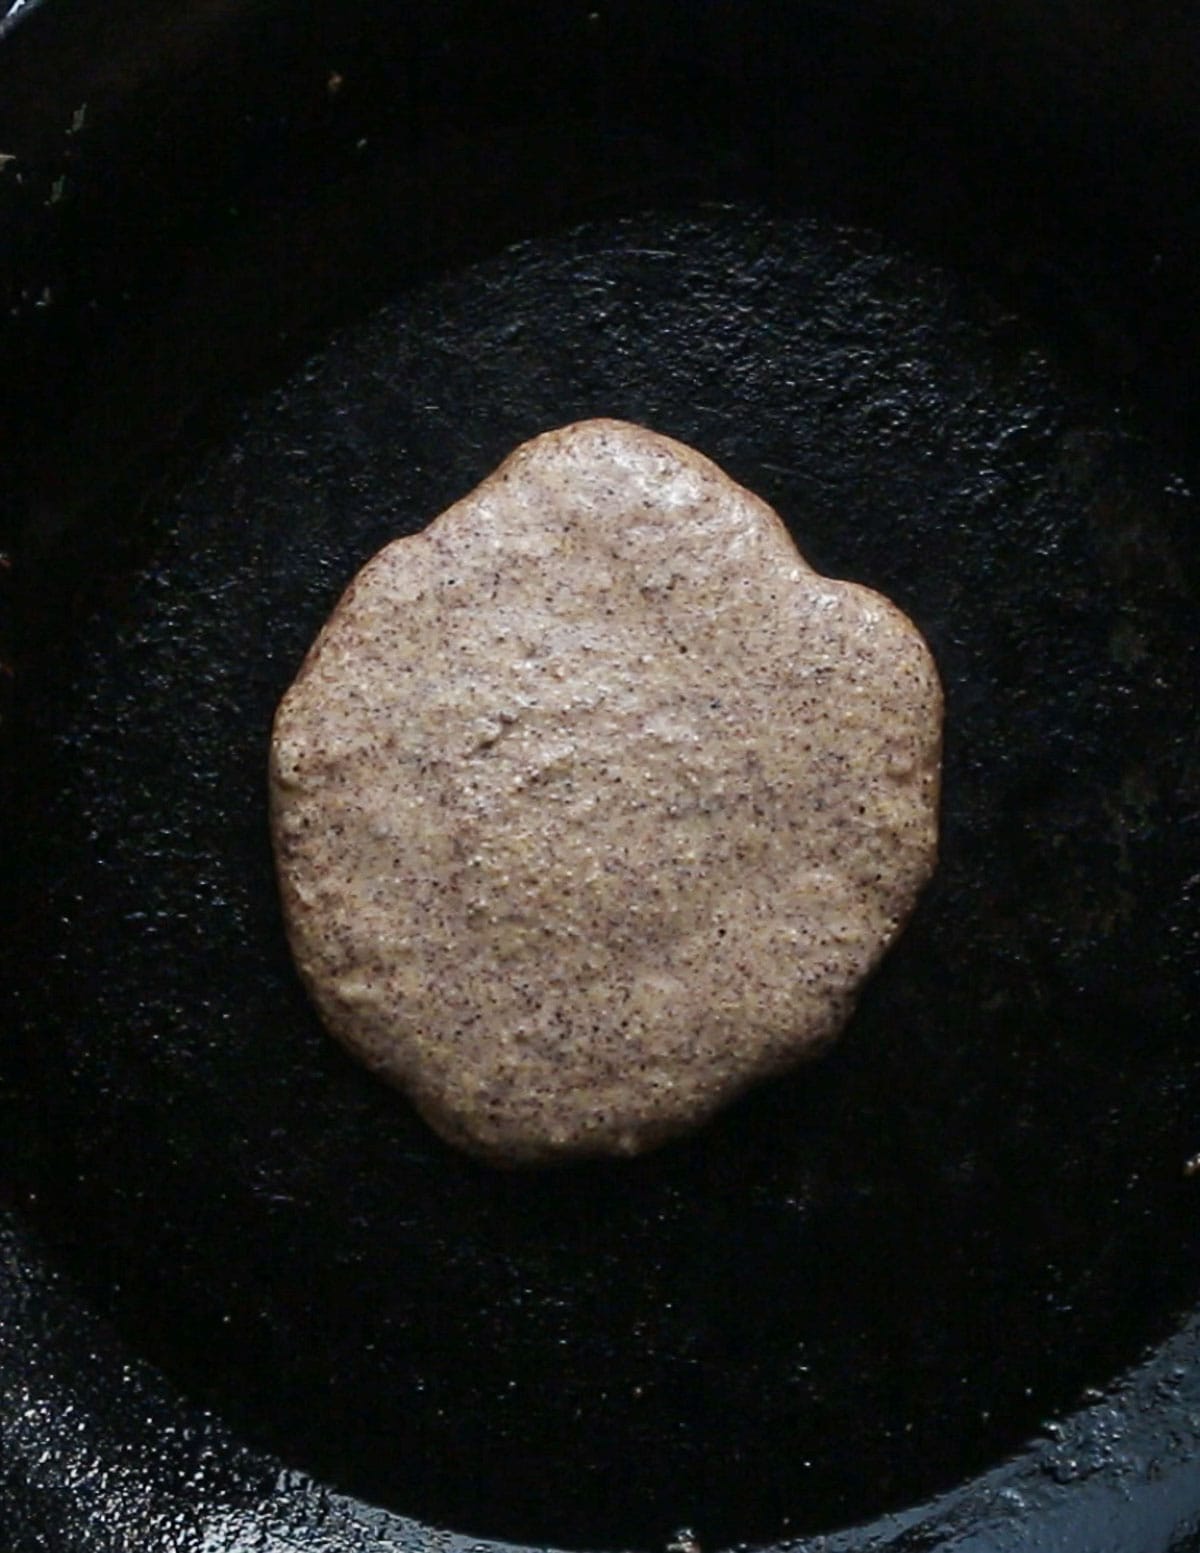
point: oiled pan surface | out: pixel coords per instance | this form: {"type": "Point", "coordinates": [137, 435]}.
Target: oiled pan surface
{"type": "Point", "coordinates": [860, 1284]}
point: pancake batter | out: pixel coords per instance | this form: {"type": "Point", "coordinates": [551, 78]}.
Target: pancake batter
{"type": "Point", "coordinates": [593, 803]}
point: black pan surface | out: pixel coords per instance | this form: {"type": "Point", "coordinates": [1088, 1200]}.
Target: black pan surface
{"type": "Point", "coordinates": [861, 1285]}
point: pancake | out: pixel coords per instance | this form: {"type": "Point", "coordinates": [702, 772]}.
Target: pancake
{"type": "Point", "coordinates": [594, 804]}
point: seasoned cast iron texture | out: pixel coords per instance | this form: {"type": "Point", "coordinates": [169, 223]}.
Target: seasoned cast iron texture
{"type": "Point", "coordinates": [859, 1285]}
{"type": "Point", "coordinates": [216, 206]}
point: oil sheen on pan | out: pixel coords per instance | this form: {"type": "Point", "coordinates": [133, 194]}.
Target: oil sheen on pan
{"type": "Point", "coordinates": [594, 804]}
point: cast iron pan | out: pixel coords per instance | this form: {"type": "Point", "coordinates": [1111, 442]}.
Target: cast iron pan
{"type": "Point", "coordinates": [281, 283]}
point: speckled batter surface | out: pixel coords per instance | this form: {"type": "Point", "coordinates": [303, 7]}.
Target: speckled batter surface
{"type": "Point", "coordinates": [593, 803]}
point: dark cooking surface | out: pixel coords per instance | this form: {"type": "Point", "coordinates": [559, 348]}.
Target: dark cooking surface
{"type": "Point", "coordinates": [862, 1283]}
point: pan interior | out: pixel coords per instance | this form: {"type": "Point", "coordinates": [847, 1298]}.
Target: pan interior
{"type": "Point", "coordinates": [861, 1283]}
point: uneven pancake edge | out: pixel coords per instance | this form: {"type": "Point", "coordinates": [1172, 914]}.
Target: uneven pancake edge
{"type": "Point", "coordinates": [594, 804]}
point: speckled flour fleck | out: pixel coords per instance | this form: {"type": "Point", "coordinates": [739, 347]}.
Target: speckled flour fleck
{"type": "Point", "coordinates": [593, 803]}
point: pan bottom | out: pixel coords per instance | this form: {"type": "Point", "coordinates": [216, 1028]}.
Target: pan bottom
{"type": "Point", "coordinates": [862, 1283]}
